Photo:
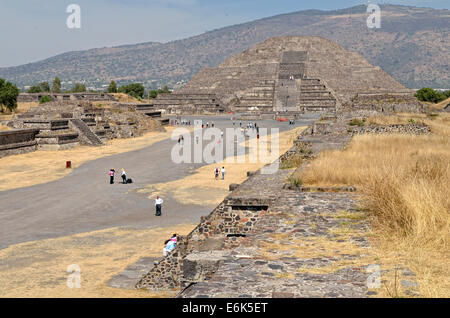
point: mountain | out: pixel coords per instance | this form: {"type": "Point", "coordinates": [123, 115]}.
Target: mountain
{"type": "Point", "coordinates": [413, 45]}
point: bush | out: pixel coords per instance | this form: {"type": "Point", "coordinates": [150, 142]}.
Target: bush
{"type": "Point", "coordinates": [78, 88]}
{"type": "Point", "coordinates": [35, 89]}
{"type": "Point", "coordinates": [295, 181]}
{"type": "Point", "coordinates": [356, 122]}
{"type": "Point", "coordinates": [45, 99]}
{"type": "Point", "coordinates": [8, 94]}
{"type": "Point", "coordinates": [136, 90]}
{"type": "Point", "coordinates": [291, 162]}
{"type": "Point", "coordinates": [428, 94]}
{"type": "Point", "coordinates": [154, 93]}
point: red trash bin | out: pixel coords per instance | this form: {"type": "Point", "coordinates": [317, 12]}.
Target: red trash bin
{"type": "Point", "coordinates": [68, 164]}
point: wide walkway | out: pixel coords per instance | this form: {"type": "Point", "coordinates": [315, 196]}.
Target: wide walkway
{"type": "Point", "coordinates": [85, 201]}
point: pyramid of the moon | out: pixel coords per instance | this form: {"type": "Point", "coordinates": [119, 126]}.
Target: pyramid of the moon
{"type": "Point", "coordinates": [301, 74]}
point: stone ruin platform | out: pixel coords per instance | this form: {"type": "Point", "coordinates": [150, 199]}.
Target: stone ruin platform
{"type": "Point", "coordinates": [65, 124]}
{"type": "Point", "coordinates": [36, 97]}
{"type": "Point", "coordinates": [192, 104]}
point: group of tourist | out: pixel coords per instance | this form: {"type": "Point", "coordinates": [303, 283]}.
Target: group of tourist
{"type": "Point", "coordinates": [216, 173]}
{"type": "Point", "coordinates": [123, 174]}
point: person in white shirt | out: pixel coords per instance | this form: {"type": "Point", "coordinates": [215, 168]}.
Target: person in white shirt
{"type": "Point", "coordinates": [124, 176]}
{"type": "Point", "coordinates": [223, 173]}
{"type": "Point", "coordinates": [158, 205]}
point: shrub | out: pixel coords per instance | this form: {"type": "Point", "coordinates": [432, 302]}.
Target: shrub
{"type": "Point", "coordinates": [136, 90]}
{"type": "Point", "coordinates": [78, 88]}
{"type": "Point", "coordinates": [45, 99]}
{"type": "Point", "coordinates": [291, 162]}
{"type": "Point", "coordinates": [154, 93]}
{"type": "Point", "coordinates": [356, 122]}
{"type": "Point", "coordinates": [428, 94]}
{"type": "Point", "coordinates": [295, 181]}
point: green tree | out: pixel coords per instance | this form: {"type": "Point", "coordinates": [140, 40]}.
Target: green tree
{"type": "Point", "coordinates": [8, 94]}
{"type": "Point", "coordinates": [78, 88]}
{"type": "Point", "coordinates": [428, 94]}
{"type": "Point", "coordinates": [56, 88]}
{"type": "Point", "coordinates": [35, 89]}
{"type": "Point", "coordinates": [45, 99]}
{"type": "Point", "coordinates": [154, 93]}
{"type": "Point", "coordinates": [447, 94]}
{"type": "Point", "coordinates": [44, 86]}
{"type": "Point", "coordinates": [41, 87]}
{"type": "Point", "coordinates": [136, 90]}
{"type": "Point", "coordinates": [112, 88]}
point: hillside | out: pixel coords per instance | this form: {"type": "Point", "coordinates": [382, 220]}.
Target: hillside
{"type": "Point", "coordinates": [413, 45]}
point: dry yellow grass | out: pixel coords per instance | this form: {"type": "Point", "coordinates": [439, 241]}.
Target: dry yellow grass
{"type": "Point", "coordinates": [437, 106]}
{"type": "Point", "coordinates": [125, 98]}
{"type": "Point", "coordinates": [201, 187]}
{"type": "Point", "coordinates": [2, 127]}
{"type": "Point", "coordinates": [39, 268]}
{"type": "Point", "coordinates": [44, 166]}
{"type": "Point", "coordinates": [21, 108]}
{"type": "Point", "coordinates": [405, 183]}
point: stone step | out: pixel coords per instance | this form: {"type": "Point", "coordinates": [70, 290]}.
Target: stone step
{"type": "Point", "coordinates": [86, 134]}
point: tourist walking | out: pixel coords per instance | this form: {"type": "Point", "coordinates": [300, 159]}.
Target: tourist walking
{"type": "Point", "coordinates": [124, 176]}
{"type": "Point", "coordinates": [158, 205]}
{"type": "Point", "coordinates": [223, 173]}
{"type": "Point", "coordinates": [111, 176]}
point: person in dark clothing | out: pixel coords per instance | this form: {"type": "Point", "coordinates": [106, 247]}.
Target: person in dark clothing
{"type": "Point", "coordinates": [111, 176]}
{"type": "Point", "coordinates": [158, 205]}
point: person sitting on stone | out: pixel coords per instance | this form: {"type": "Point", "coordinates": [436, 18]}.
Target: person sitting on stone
{"type": "Point", "coordinates": [170, 245]}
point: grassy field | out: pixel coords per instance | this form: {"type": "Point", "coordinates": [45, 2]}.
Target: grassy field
{"type": "Point", "coordinates": [405, 184]}
{"type": "Point", "coordinates": [437, 106]}
{"type": "Point", "coordinates": [39, 268]}
{"type": "Point", "coordinates": [21, 108]}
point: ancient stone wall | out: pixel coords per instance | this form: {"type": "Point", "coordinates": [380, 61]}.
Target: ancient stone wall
{"type": "Point", "coordinates": [35, 97]}
{"type": "Point", "coordinates": [414, 129]}
{"type": "Point", "coordinates": [231, 218]}
{"type": "Point", "coordinates": [385, 103]}
{"type": "Point", "coordinates": [17, 141]}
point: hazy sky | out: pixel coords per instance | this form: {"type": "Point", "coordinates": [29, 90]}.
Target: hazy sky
{"type": "Point", "coordinates": [32, 30]}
